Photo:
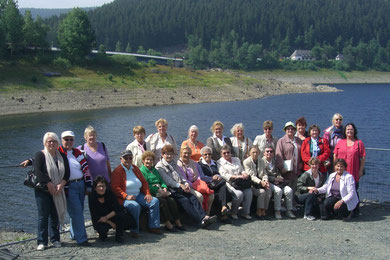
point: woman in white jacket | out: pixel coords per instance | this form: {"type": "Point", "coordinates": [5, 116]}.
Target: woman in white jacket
{"type": "Point", "coordinates": [341, 196]}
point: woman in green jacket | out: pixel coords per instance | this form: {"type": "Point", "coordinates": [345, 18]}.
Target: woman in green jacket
{"type": "Point", "coordinates": [168, 207]}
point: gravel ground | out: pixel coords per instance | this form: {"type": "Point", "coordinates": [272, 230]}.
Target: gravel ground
{"type": "Point", "coordinates": [367, 238]}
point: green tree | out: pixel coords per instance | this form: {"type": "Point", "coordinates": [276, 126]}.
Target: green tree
{"type": "Point", "coordinates": [13, 24]}
{"type": "Point", "coordinates": [118, 46]}
{"type": "Point", "coordinates": [128, 48]}
{"type": "Point", "coordinates": [75, 36]}
{"type": "Point", "coordinates": [141, 50]}
{"type": "Point", "coordinates": [35, 32]}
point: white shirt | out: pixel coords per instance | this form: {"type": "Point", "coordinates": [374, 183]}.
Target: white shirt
{"type": "Point", "coordinates": [74, 167]}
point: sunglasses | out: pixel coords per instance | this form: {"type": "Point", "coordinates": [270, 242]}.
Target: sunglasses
{"type": "Point", "coordinates": [226, 153]}
{"type": "Point", "coordinates": [269, 151]}
{"type": "Point", "coordinates": [207, 154]}
{"type": "Point", "coordinates": [69, 139]}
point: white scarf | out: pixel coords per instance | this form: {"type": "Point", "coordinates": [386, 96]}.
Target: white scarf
{"type": "Point", "coordinates": [56, 174]}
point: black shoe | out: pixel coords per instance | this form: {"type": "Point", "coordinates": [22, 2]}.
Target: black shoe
{"type": "Point", "coordinates": [103, 237]}
{"type": "Point", "coordinates": [181, 228]}
{"type": "Point", "coordinates": [349, 218]}
{"type": "Point", "coordinates": [173, 229]}
{"type": "Point", "coordinates": [85, 243]}
{"type": "Point", "coordinates": [208, 221]}
{"type": "Point", "coordinates": [119, 240]}
{"type": "Point", "coordinates": [227, 220]}
{"type": "Point", "coordinates": [266, 218]}
{"type": "Point", "coordinates": [260, 217]}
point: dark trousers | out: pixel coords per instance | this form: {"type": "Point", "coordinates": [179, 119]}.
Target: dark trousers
{"type": "Point", "coordinates": [310, 200]}
{"type": "Point", "coordinates": [47, 218]}
{"type": "Point", "coordinates": [356, 211]}
{"type": "Point", "coordinates": [168, 209]}
{"type": "Point", "coordinates": [122, 221]}
{"type": "Point", "coordinates": [190, 205]}
{"type": "Point", "coordinates": [328, 211]}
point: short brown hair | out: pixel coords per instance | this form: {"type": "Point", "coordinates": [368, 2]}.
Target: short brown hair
{"type": "Point", "coordinates": [314, 160]}
{"type": "Point", "coordinates": [312, 127]}
{"type": "Point", "coordinates": [138, 129]}
{"type": "Point", "coordinates": [301, 121]}
{"type": "Point", "coordinates": [268, 124]}
{"type": "Point", "coordinates": [147, 154]}
{"type": "Point", "coordinates": [341, 161]}
{"type": "Point", "coordinates": [167, 149]}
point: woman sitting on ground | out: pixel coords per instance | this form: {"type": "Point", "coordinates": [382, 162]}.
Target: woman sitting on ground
{"type": "Point", "coordinates": [240, 143]}
{"type": "Point", "coordinates": [160, 139]}
{"type": "Point", "coordinates": [261, 141]}
{"type": "Point", "coordinates": [106, 213]}
{"type": "Point", "coordinates": [193, 174]}
{"type": "Point", "coordinates": [180, 189]}
{"type": "Point", "coordinates": [341, 197]}
{"type": "Point", "coordinates": [277, 183]}
{"type": "Point", "coordinates": [210, 168]}
{"type": "Point", "coordinates": [233, 172]}
{"type": "Point", "coordinates": [309, 180]}
{"type": "Point", "coordinates": [132, 191]}
{"type": "Point", "coordinates": [193, 143]}
{"type": "Point", "coordinates": [262, 190]}
{"type": "Point", "coordinates": [315, 146]}
{"type": "Point", "coordinates": [138, 146]}
{"type": "Point", "coordinates": [218, 140]}
{"type": "Point", "coordinates": [168, 208]}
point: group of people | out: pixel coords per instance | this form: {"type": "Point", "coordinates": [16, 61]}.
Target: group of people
{"type": "Point", "coordinates": [197, 180]}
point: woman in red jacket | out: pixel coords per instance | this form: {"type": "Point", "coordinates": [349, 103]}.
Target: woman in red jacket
{"type": "Point", "coordinates": [315, 146]}
{"type": "Point", "coordinates": [132, 191]}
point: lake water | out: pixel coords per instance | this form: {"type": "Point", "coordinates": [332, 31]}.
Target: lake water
{"type": "Point", "coordinates": [364, 104]}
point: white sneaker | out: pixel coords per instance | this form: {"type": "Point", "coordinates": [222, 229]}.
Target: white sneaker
{"type": "Point", "coordinates": [41, 247]}
{"type": "Point", "coordinates": [309, 217]}
{"type": "Point", "coordinates": [57, 244]}
{"type": "Point", "coordinates": [278, 215]}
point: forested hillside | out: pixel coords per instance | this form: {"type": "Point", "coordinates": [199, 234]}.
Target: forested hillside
{"type": "Point", "coordinates": [45, 13]}
{"type": "Point", "coordinates": [290, 23]}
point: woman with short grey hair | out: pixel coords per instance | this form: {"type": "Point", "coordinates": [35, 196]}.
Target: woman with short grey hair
{"type": "Point", "coordinates": [193, 143]}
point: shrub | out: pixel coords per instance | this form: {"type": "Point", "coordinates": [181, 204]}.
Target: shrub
{"type": "Point", "coordinates": [62, 63]}
{"type": "Point", "coordinates": [126, 60]}
{"type": "Point", "coordinates": [151, 63]}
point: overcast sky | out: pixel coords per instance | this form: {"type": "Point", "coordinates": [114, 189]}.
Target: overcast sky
{"type": "Point", "coordinates": [60, 3]}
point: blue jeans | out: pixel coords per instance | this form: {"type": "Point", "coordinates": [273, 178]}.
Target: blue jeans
{"type": "Point", "coordinates": [75, 202]}
{"type": "Point", "coordinates": [310, 200]}
{"type": "Point", "coordinates": [134, 208]}
{"type": "Point", "coordinates": [47, 218]}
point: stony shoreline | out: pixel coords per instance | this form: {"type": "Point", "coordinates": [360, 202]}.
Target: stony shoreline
{"type": "Point", "coordinates": [367, 237]}
{"type": "Point", "coordinates": [67, 100]}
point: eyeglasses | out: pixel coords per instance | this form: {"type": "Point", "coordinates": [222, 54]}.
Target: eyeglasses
{"type": "Point", "coordinates": [207, 154]}
{"type": "Point", "coordinates": [51, 141]}
{"type": "Point", "coordinates": [269, 151]}
{"type": "Point", "coordinates": [338, 119]}
{"type": "Point", "coordinates": [69, 139]}
{"type": "Point", "coordinates": [226, 153]}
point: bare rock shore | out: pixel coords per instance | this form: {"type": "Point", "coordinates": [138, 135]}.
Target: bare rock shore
{"type": "Point", "coordinates": [43, 101]}
{"type": "Point", "coordinates": [367, 237]}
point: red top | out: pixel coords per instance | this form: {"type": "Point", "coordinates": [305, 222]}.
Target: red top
{"type": "Point", "coordinates": [323, 156]}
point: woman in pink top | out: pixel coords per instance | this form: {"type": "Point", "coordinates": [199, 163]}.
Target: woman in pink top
{"type": "Point", "coordinates": [352, 150]}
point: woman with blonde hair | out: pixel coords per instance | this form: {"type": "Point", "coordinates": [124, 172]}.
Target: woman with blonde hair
{"type": "Point", "coordinates": [52, 170]}
{"type": "Point", "coordinates": [261, 141]}
{"type": "Point", "coordinates": [240, 143]}
{"type": "Point", "coordinates": [218, 140]}
{"type": "Point", "coordinates": [158, 140]}
{"type": "Point", "coordinates": [96, 155]}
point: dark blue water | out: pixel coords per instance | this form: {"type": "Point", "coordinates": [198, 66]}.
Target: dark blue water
{"type": "Point", "coordinates": [364, 104]}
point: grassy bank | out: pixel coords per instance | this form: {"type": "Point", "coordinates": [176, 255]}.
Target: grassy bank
{"type": "Point", "coordinates": [17, 76]}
